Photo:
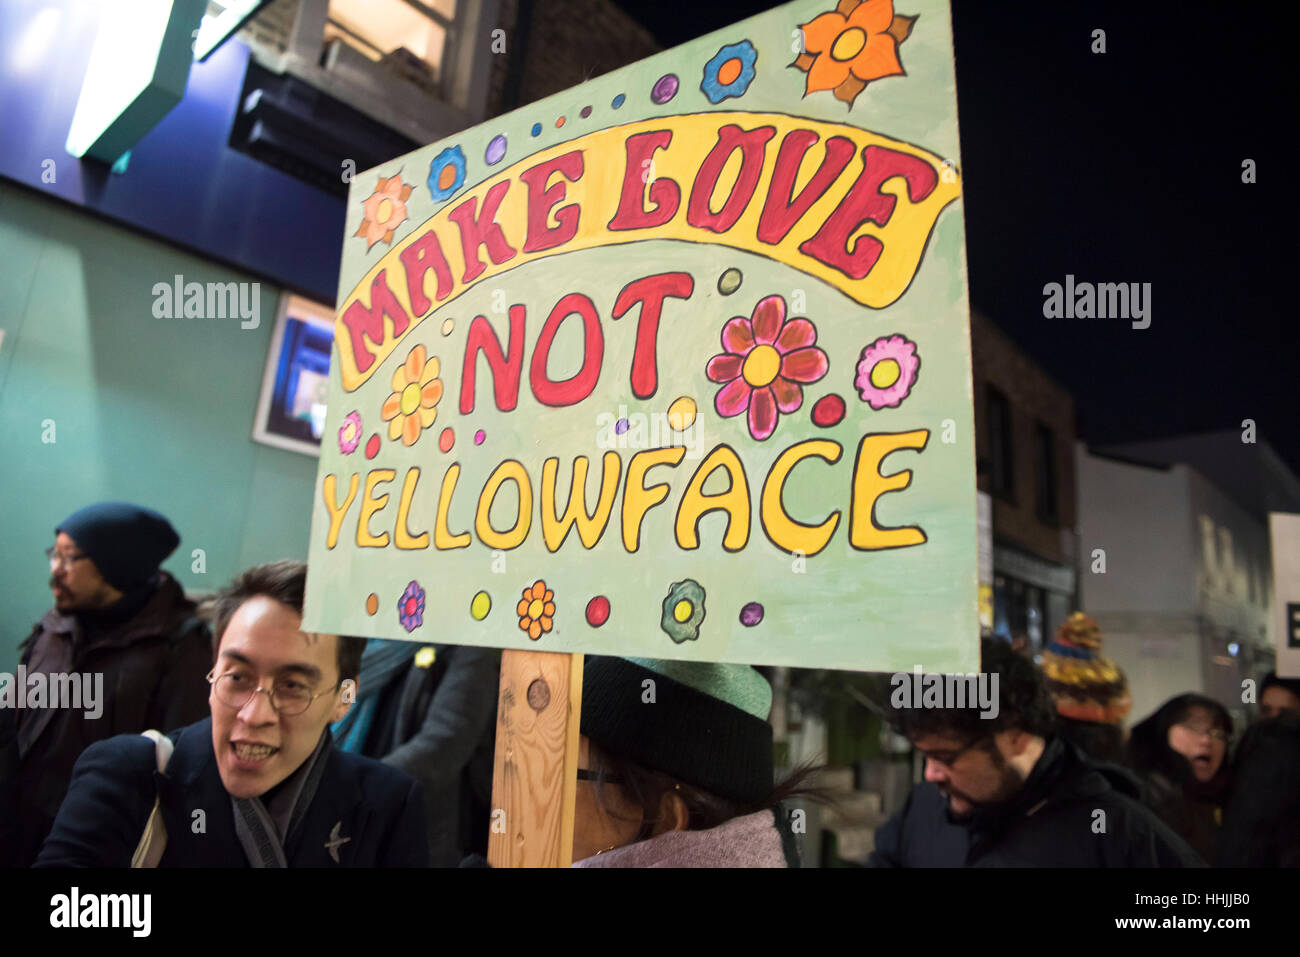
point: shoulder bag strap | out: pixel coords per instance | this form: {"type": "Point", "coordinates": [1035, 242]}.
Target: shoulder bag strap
{"type": "Point", "coordinates": [154, 839]}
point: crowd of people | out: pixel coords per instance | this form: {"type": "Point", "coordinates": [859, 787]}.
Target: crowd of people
{"type": "Point", "coordinates": [228, 736]}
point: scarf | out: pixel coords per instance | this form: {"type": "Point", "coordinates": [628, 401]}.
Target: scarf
{"type": "Point", "coordinates": [265, 829]}
{"type": "Point", "coordinates": [380, 663]}
{"type": "Point", "coordinates": [753, 840]}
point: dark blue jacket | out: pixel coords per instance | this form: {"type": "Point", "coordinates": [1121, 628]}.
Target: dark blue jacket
{"type": "Point", "coordinates": [378, 809]}
{"type": "Point", "coordinates": [1071, 812]}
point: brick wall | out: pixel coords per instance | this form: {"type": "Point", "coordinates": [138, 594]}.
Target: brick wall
{"type": "Point", "coordinates": [566, 43]}
{"type": "Point", "coordinates": [1033, 397]}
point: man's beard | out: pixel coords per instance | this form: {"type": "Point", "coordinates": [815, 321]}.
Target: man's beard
{"type": "Point", "coordinates": [69, 602]}
{"type": "Point", "coordinates": [1009, 784]}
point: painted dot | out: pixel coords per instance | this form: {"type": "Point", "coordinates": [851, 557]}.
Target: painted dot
{"type": "Point", "coordinates": [618, 100]}
{"type": "Point", "coordinates": [480, 606]}
{"type": "Point", "coordinates": [446, 440]}
{"type": "Point", "coordinates": [559, 122]}
{"type": "Point", "coordinates": [585, 112]}
{"type": "Point", "coordinates": [598, 611]}
{"type": "Point", "coordinates": [681, 414]}
{"type": "Point", "coordinates": [729, 71]}
{"type": "Point", "coordinates": [828, 411]}
{"type": "Point", "coordinates": [479, 436]}
{"type": "Point", "coordinates": [537, 129]}
{"type": "Point", "coordinates": [729, 281]}
{"type": "Point", "coordinates": [664, 89]}
{"type": "Point", "coordinates": [620, 426]}
{"type": "Point", "coordinates": [496, 149]}
{"type": "Point", "coordinates": [447, 326]}
{"type": "Point", "coordinates": [372, 447]}
{"type": "Point", "coordinates": [372, 604]}
{"type": "Point", "coordinates": [683, 610]}
{"type": "Point", "coordinates": [751, 614]}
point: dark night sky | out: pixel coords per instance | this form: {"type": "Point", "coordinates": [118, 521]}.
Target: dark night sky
{"type": "Point", "coordinates": [1125, 167]}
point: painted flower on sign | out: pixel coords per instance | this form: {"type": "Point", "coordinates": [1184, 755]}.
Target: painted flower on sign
{"type": "Point", "coordinates": [413, 405]}
{"type": "Point", "coordinates": [852, 45]}
{"type": "Point", "coordinates": [683, 611]}
{"type": "Point", "coordinates": [730, 72]}
{"type": "Point", "coordinates": [446, 173]}
{"type": "Point", "coordinates": [765, 360]}
{"type": "Point", "coordinates": [536, 610]}
{"type": "Point", "coordinates": [385, 210]}
{"type": "Point", "coordinates": [410, 607]}
{"type": "Point", "coordinates": [887, 371]}
{"type": "Point", "coordinates": [350, 433]}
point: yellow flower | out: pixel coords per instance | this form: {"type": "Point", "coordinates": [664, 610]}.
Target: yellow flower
{"type": "Point", "coordinates": [412, 407]}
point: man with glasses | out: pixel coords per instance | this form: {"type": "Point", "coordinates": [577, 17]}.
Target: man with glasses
{"type": "Point", "coordinates": [1006, 791]}
{"type": "Point", "coordinates": [259, 783]}
{"type": "Point", "coordinates": [126, 624]}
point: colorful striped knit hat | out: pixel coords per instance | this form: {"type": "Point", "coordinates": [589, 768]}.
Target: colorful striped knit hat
{"type": "Point", "coordinates": [1086, 686]}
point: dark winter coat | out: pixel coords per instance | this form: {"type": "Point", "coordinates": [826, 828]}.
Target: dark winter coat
{"type": "Point", "coordinates": [1192, 808]}
{"type": "Point", "coordinates": [1261, 820]}
{"type": "Point", "coordinates": [1052, 821]}
{"type": "Point", "coordinates": [436, 723]}
{"type": "Point", "coordinates": [8, 789]}
{"type": "Point", "coordinates": [377, 809]}
{"type": "Point", "coordinates": [154, 664]}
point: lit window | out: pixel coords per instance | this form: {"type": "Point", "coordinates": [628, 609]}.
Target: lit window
{"type": "Point", "coordinates": [377, 28]}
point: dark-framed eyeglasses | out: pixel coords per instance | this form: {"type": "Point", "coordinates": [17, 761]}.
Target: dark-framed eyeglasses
{"type": "Point", "coordinates": [949, 758]}
{"type": "Point", "coordinates": [288, 696]}
{"type": "Point", "coordinates": [58, 559]}
{"type": "Point", "coordinates": [1218, 734]}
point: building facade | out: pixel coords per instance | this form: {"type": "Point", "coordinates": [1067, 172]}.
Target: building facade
{"type": "Point", "coordinates": [1024, 437]}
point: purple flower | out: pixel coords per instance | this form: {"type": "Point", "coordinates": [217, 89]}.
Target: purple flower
{"type": "Point", "coordinates": [410, 607]}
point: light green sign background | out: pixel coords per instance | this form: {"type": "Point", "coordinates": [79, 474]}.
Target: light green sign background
{"type": "Point", "coordinates": [882, 610]}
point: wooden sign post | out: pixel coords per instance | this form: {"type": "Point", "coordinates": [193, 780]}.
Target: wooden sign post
{"type": "Point", "coordinates": [533, 779]}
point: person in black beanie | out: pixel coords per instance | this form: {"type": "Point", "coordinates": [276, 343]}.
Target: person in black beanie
{"type": "Point", "coordinates": [131, 641]}
{"type": "Point", "coordinates": [675, 768]}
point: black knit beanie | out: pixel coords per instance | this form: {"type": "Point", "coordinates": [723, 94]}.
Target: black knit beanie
{"type": "Point", "coordinates": [127, 543]}
{"type": "Point", "coordinates": [702, 728]}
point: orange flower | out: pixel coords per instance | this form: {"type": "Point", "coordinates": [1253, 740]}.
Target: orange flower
{"type": "Point", "coordinates": [852, 45]}
{"type": "Point", "coordinates": [412, 407]}
{"type": "Point", "coordinates": [536, 610]}
{"type": "Point", "coordinates": [385, 210]}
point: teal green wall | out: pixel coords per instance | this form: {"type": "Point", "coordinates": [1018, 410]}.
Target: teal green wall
{"type": "Point", "coordinates": [154, 411]}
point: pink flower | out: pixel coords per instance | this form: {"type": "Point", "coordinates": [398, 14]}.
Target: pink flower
{"type": "Point", "coordinates": [350, 433]}
{"type": "Point", "coordinates": [887, 371]}
{"type": "Point", "coordinates": [764, 361]}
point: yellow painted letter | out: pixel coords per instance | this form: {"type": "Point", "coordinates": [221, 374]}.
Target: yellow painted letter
{"type": "Point", "coordinates": [869, 485]}
{"type": "Point", "coordinates": [509, 470]}
{"type": "Point", "coordinates": [734, 501]}
{"type": "Point", "coordinates": [328, 492]}
{"type": "Point", "coordinates": [443, 539]}
{"type": "Point", "coordinates": [637, 499]}
{"type": "Point", "coordinates": [786, 533]}
{"type": "Point", "coordinates": [590, 528]}
{"type": "Point", "coordinates": [401, 536]}
{"type": "Point", "coordinates": [370, 505]}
